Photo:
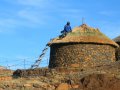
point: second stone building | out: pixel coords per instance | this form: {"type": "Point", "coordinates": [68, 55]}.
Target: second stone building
{"type": "Point", "coordinates": [117, 40]}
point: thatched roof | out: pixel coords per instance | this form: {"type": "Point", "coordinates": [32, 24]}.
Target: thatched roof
{"type": "Point", "coordinates": [117, 39]}
{"type": "Point", "coordinates": [84, 34]}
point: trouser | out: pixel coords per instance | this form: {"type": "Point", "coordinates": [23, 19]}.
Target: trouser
{"type": "Point", "coordinates": [63, 35]}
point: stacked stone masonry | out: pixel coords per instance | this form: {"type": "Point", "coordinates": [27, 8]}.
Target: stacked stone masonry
{"type": "Point", "coordinates": [118, 52]}
{"type": "Point", "coordinates": [81, 55]}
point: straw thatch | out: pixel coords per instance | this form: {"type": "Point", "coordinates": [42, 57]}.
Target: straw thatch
{"type": "Point", "coordinates": [84, 34]}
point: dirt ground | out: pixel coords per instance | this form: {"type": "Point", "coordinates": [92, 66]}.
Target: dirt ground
{"type": "Point", "coordinates": [106, 77]}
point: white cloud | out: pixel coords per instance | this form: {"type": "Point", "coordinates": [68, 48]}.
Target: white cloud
{"type": "Point", "coordinates": [108, 13]}
{"type": "Point", "coordinates": [28, 15]}
{"type": "Point", "coordinates": [7, 25]}
{"type": "Point", "coordinates": [27, 2]}
{"type": "Point", "coordinates": [32, 12]}
{"type": "Point", "coordinates": [33, 17]}
{"type": "Point", "coordinates": [26, 18]}
{"type": "Point", "coordinates": [31, 2]}
{"type": "Point", "coordinates": [8, 22]}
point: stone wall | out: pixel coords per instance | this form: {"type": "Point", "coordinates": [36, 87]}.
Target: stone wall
{"type": "Point", "coordinates": [118, 52]}
{"type": "Point", "coordinates": [80, 55]}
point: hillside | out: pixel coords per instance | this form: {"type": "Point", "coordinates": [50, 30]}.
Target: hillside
{"type": "Point", "coordinates": [1, 67]}
{"type": "Point", "coordinates": [105, 77]}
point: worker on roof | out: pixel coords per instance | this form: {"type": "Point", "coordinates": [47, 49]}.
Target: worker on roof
{"type": "Point", "coordinates": [67, 29]}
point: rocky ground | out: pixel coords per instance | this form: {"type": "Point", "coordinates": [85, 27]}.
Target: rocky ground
{"type": "Point", "coordinates": [104, 77]}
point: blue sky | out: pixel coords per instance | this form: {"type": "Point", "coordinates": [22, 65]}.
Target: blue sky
{"type": "Point", "coordinates": [27, 25]}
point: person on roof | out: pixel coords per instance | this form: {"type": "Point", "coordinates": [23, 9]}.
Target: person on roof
{"type": "Point", "coordinates": [67, 29]}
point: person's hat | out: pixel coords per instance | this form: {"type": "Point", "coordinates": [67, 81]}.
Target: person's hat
{"type": "Point", "coordinates": [68, 23]}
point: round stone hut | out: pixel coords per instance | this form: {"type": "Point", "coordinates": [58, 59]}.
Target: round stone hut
{"type": "Point", "coordinates": [117, 40]}
{"type": "Point", "coordinates": [84, 46]}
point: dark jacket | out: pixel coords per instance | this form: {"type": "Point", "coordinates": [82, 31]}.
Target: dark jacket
{"type": "Point", "coordinates": [67, 28]}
